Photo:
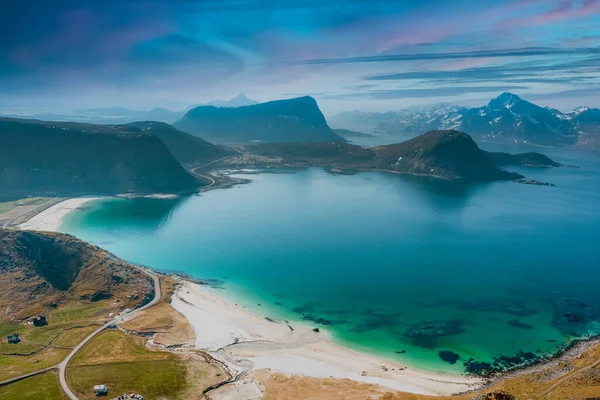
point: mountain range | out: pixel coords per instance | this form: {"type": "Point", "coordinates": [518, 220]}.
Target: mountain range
{"type": "Point", "coordinates": [124, 115]}
{"type": "Point", "coordinates": [506, 118]}
{"type": "Point", "coordinates": [292, 120]}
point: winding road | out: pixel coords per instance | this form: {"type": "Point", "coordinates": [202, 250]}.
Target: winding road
{"type": "Point", "coordinates": [62, 367]}
{"type": "Point", "coordinates": [211, 179]}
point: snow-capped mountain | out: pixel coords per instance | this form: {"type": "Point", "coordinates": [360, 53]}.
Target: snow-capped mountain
{"type": "Point", "coordinates": [506, 118]}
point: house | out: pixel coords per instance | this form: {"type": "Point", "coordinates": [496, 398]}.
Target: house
{"type": "Point", "coordinates": [39, 321]}
{"type": "Point", "coordinates": [14, 338]}
{"type": "Point", "coordinates": [100, 390]}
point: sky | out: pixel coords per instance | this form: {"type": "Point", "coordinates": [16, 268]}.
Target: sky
{"type": "Point", "coordinates": [370, 55]}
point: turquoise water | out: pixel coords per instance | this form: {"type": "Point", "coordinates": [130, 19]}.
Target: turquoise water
{"type": "Point", "coordinates": [404, 268]}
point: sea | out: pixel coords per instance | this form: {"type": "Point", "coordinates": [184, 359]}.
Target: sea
{"type": "Point", "coordinates": [439, 276]}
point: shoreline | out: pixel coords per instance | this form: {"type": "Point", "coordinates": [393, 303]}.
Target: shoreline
{"type": "Point", "coordinates": [247, 342]}
{"type": "Point", "coordinates": [50, 219]}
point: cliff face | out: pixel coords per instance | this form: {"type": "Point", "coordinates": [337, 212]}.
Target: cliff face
{"type": "Point", "coordinates": [41, 270]}
{"type": "Point", "coordinates": [294, 120]}
{"type": "Point", "coordinates": [42, 157]}
{"type": "Point", "coordinates": [449, 154]}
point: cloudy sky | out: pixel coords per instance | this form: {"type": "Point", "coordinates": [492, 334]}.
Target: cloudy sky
{"type": "Point", "coordinates": [348, 54]}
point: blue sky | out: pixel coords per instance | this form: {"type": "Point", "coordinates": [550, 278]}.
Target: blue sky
{"type": "Point", "coordinates": [364, 54]}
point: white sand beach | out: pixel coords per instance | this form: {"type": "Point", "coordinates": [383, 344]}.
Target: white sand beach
{"type": "Point", "coordinates": [50, 219]}
{"type": "Point", "coordinates": [246, 341]}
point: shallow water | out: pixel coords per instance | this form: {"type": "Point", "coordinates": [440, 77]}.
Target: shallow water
{"type": "Point", "coordinates": [401, 267]}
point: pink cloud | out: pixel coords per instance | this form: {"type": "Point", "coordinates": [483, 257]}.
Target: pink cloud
{"type": "Point", "coordinates": [566, 10]}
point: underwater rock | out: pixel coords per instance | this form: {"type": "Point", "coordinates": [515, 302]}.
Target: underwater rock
{"type": "Point", "coordinates": [449, 356]}
{"type": "Point", "coordinates": [426, 334]}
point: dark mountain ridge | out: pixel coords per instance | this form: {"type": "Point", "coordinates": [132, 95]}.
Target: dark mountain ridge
{"type": "Point", "coordinates": [72, 158]}
{"type": "Point", "coordinates": [293, 120]}
{"type": "Point", "coordinates": [448, 154]}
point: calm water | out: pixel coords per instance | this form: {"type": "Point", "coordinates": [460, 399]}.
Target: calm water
{"type": "Point", "coordinates": [408, 269]}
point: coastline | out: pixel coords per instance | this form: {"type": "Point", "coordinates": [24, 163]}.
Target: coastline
{"type": "Point", "coordinates": [247, 342]}
{"type": "Point", "coordinates": [50, 220]}
{"type": "Point", "coordinates": [250, 344]}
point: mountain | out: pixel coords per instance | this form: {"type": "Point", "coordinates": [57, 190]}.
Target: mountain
{"type": "Point", "coordinates": [42, 270]}
{"type": "Point", "coordinates": [446, 154]}
{"type": "Point", "coordinates": [238, 101]}
{"type": "Point", "coordinates": [186, 148]}
{"type": "Point", "coordinates": [411, 121]}
{"type": "Point", "coordinates": [73, 158]}
{"type": "Point", "coordinates": [587, 123]}
{"type": "Point", "coordinates": [507, 118]}
{"type": "Point", "coordinates": [162, 115]}
{"type": "Point", "coordinates": [293, 120]}
{"type": "Point", "coordinates": [510, 118]}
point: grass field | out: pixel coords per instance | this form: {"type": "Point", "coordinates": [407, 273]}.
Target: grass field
{"type": "Point", "coordinates": [124, 364]}
{"type": "Point", "coordinates": [32, 350]}
{"type": "Point", "coordinates": [44, 386]}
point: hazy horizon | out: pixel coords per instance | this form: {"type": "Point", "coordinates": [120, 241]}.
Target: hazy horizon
{"type": "Point", "coordinates": [377, 55]}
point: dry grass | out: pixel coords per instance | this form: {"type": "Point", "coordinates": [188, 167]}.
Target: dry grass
{"type": "Point", "coordinates": [170, 327]}
{"type": "Point", "coordinates": [281, 387]}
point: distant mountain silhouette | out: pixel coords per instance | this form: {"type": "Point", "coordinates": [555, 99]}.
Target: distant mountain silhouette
{"type": "Point", "coordinates": [238, 101]}
{"type": "Point", "coordinates": [293, 120]}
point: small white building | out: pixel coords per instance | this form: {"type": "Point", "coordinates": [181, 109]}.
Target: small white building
{"type": "Point", "coordinates": [100, 390]}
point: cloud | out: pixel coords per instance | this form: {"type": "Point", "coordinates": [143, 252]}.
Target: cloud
{"type": "Point", "coordinates": [520, 52]}
{"type": "Point", "coordinates": [423, 92]}
{"type": "Point", "coordinates": [573, 71]}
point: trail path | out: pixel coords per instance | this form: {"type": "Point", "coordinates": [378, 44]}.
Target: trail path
{"type": "Point", "coordinates": [562, 380]}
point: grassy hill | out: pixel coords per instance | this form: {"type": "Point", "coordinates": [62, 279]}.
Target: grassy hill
{"type": "Point", "coordinates": [72, 158]}
{"type": "Point", "coordinates": [74, 284]}
{"type": "Point", "coordinates": [42, 271]}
